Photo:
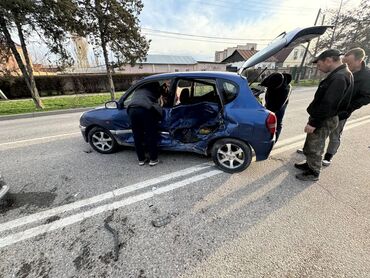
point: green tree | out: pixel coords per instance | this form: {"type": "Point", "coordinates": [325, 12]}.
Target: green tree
{"type": "Point", "coordinates": [352, 30]}
{"type": "Point", "coordinates": [113, 27]}
{"type": "Point", "coordinates": [49, 19]}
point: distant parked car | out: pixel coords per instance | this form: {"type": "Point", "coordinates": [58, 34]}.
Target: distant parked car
{"type": "Point", "coordinates": [210, 113]}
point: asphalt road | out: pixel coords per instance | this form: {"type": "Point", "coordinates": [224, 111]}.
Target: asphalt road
{"type": "Point", "coordinates": [259, 223]}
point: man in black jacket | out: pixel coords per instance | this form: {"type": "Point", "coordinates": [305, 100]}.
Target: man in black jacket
{"type": "Point", "coordinates": [145, 113]}
{"type": "Point", "coordinates": [277, 96]}
{"type": "Point", "coordinates": [332, 96]}
{"type": "Point", "coordinates": [360, 97]}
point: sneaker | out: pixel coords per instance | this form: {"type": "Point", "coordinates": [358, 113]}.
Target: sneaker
{"type": "Point", "coordinates": [327, 159]}
{"type": "Point", "coordinates": [302, 166]}
{"type": "Point", "coordinates": [308, 175]}
{"type": "Point", "coordinates": [153, 162]}
{"type": "Point", "coordinates": [142, 162]}
{"type": "Point", "coordinates": [300, 151]}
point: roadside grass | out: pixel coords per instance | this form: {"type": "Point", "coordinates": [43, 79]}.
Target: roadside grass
{"type": "Point", "coordinates": [11, 107]}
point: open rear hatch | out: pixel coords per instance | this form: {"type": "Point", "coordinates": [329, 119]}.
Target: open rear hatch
{"type": "Point", "coordinates": [292, 38]}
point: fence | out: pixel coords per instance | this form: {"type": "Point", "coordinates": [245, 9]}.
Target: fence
{"type": "Point", "coordinates": [15, 87]}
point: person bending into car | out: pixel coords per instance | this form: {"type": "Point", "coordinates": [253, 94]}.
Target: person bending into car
{"type": "Point", "coordinates": [332, 96]}
{"type": "Point", "coordinates": [145, 113]}
{"type": "Point", "coordinates": [277, 96]}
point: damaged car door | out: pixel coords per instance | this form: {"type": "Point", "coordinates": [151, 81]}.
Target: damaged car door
{"type": "Point", "coordinates": [196, 112]}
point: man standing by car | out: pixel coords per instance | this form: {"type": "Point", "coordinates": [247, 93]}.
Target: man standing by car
{"type": "Point", "coordinates": [332, 96]}
{"type": "Point", "coordinates": [355, 59]}
{"type": "Point", "coordinates": [145, 113]}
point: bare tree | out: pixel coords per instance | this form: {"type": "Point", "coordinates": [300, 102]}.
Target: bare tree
{"type": "Point", "coordinates": [113, 27]}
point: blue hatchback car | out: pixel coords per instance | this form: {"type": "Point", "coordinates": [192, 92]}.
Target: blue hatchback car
{"type": "Point", "coordinates": [210, 113]}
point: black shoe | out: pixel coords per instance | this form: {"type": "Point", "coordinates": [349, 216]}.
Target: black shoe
{"type": "Point", "coordinates": [308, 175]}
{"type": "Point", "coordinates": [327, 159]}
{"type": "Point", "coordinates": [302, 166]}
{"type": "Point", "coordinates": [153, 162]}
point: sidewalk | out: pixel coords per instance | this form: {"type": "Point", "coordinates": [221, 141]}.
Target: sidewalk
{"type": "Point", "coordinates": [46, 113]}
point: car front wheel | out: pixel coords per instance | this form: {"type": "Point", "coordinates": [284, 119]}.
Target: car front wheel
{"type": "Point", "coordinates": [102, 140]}
{"type": "Point", "coordinates": [231, 155]}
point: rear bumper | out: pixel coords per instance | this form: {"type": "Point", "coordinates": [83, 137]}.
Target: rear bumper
{"type": "Point", "coordinates": [263, 149]}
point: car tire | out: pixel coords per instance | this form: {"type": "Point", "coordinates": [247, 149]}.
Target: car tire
{"type": "Point", "coordinates": [231, 155]}
{"type": "Point", "coordinates": [102, 141]}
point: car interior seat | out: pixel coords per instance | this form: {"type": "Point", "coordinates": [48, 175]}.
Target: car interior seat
{"type": "Point", "coordinates": [185, 96]}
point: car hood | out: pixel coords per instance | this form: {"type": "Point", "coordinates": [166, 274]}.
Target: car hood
{"type": "Point", "coordinates": [292, 38]}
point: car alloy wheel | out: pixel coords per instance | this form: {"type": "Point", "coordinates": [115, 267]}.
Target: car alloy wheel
{"type": "Point", "coordinates": [231, 155]}
{"type": "Point", "coordinates": [102, 141]}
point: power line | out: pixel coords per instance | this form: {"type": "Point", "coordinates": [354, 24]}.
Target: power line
{"type": "Point", "coordinates": [189, 39]}
{"type": "Point", "coordinates": [256, 9]}
{"type": "Point", "coordinates": [201, 36]}
{"type": "Point", "coordinates": [257, 4]}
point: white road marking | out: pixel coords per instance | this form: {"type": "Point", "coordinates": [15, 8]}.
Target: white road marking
{"type": "Point", "coordinates": [299, 144]}
{"type": "Point", "coordinates": [303, 135]}
{"type": "Point", "coordinates": [39, 139]}
{"type": "Point", "coordinates": [69, 220]}
{"type": "Point", "coordinates": [14, 238]}
{"type": "Point", "coordinates": [99, 198]}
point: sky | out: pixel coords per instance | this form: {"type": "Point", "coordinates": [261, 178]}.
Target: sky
{"type": "Point", "coordinates": [245, 21]}
{"type": "Point", "coordinates": [228, 22]}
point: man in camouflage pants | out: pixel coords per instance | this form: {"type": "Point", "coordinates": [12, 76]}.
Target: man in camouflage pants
{"type": "Point", "coordinates": [332, 96]}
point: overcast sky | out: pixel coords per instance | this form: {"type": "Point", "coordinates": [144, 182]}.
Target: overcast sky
{"type": "Point", "coordinates": [230, 22]}
{"type": "Point", "coordinates": [248, 20]}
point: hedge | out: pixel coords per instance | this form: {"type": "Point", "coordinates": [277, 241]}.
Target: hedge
{"type": "Point", "coordinates": [53, 85]}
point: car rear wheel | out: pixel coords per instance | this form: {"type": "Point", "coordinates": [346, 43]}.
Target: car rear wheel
{"type": "Point", "coordinates": [102, 141]}
{"type": "Point", "coordinates": [231, 155]}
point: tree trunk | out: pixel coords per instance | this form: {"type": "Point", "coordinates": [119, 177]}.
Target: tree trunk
{"type": "Point", "coordinates": [19, 60]}
{"type": "Point", "coordinates": [34, 92]}
{"type": "Point", "coordinates": [109, 71]}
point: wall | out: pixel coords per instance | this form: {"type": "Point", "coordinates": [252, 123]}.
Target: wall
{"type": "Point", "coordinates": [15, 87]}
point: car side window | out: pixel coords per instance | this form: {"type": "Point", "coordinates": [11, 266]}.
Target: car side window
{"type": "Point", "coordinates": [194, 91]}
{"type": "Point", "coordinates": [229, 91]}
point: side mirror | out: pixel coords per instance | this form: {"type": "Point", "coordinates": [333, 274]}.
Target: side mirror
{"type": "Point", "coordinates": [111, 104]}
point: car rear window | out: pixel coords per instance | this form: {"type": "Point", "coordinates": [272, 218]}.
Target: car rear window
{"type": "Point", "coordinates": [229, 90]}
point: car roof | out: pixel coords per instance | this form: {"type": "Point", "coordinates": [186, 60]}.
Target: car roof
{"type": "Point", "coordinates": [194, 74]}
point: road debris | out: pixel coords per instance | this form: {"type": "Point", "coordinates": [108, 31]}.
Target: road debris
{"type": "Point", "coordinates": [88, 151]}
{"type": "Point", "coordinates": [52, 219]}
{"type": "Point", "coordinates": [161, 221]}
{"type": "Point", "coordinates": [115, 236]}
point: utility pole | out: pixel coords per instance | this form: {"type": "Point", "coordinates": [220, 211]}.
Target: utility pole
{"type": "Point", "coordinates": [298, 75]}
{"type": "Point", "coordinates": [317, 44]}
{"type": "Point", "coordinates": [335, 25]}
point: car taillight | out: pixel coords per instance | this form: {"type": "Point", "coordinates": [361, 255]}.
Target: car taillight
{"type": "Point", "coordinates": [271, 123]}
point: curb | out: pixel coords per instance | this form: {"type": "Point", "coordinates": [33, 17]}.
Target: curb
{"type": "Point", "coordinates": [41, 114]}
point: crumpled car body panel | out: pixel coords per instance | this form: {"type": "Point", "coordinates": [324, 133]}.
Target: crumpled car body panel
{"type": "Point", "coordinates": [195, 127]}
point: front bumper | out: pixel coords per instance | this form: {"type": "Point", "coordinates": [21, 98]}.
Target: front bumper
{"type": "Point", "coordinates": [83, 132]}
{"type": "Point", "coordinates": [3, 188]}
